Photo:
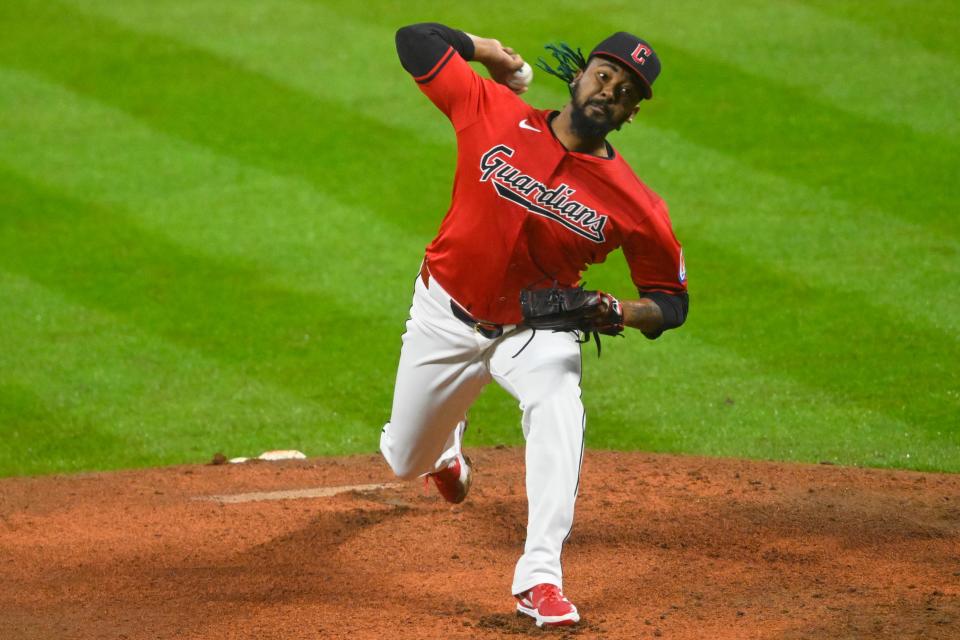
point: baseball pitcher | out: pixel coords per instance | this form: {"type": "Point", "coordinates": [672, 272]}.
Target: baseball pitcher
{"type": "Point", "coordinates": [538, 196]}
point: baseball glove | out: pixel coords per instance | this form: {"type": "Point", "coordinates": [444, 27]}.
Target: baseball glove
{"type": "Point", "coordinates": [572, 309]}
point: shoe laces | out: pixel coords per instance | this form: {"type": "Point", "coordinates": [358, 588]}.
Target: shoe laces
{"type": "Point", "coordinates": [549, 592]}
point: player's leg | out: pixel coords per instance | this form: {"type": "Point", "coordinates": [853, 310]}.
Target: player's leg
{"type": "Point", "coordinates": [545, 378]}
{"type": "Point", "coordinates": [439, 375]}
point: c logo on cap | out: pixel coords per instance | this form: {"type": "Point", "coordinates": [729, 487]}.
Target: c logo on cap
{"type": "Point", "coordinates": [641, 53]}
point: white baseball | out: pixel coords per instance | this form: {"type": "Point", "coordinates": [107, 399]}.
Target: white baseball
{"type": "Point", "coordinates": [521, 78]}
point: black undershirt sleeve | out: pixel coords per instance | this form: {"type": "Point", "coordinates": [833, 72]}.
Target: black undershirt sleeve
{"type": "Point", "coordinates": [420, 46]}
{"type": "Point", "coordinates": [673, 306]}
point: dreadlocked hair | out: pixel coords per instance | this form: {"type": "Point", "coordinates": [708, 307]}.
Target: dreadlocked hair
{"type": "Point", "coordinates": [569, 61]}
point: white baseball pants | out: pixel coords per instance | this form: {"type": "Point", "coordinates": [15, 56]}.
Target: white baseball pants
{"type": "Point", "coordinates": [444, 364]}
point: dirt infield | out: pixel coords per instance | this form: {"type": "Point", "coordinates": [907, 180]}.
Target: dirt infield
{"type": "Point", "coordinates": [669, 547]}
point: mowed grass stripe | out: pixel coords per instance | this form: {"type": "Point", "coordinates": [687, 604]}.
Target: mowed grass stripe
{"type": "Point", "coordinates": [751, 209]}
{"type": "Point", "coordinates": [97, 257]}
{"type": "Point", "coordinates": [932, 24]}
{"type": "Point", "coordinates": [838, 343]}
{"type": "Point", "coordinates": [38, 440]}
{"type": "Point", "coordinates": [204, 201]}
{"type": "Point", "coordinates": [188, 93]}
{"type": "Point", "coordinates": [855, 69]}
{"type": "Point", "coordinates": [785, 227]}
{"type": "Point", "coordinates": [303, 45]}
{"type": "Point", "coordinates": [81, 389]}
{"type": "Point", "coordinates": [697, 397]}
{"type": "Point", "coordinates": [882, 167]}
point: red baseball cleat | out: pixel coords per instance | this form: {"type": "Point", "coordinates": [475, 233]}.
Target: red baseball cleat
{"type": "Point", "coordinates": [453, 482]}
{"type": "Point", "coordinates": [546, 604]}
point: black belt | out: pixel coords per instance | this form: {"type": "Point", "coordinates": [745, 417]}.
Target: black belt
{"type": "Point", "coordinates": [486, 329]}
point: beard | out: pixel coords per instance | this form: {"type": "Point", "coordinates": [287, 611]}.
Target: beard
{"type": "Point", "coordinates": [590, 124]}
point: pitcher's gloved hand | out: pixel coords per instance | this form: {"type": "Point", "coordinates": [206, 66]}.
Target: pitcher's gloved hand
{"type": "Point", "coordinates": [572, 308]}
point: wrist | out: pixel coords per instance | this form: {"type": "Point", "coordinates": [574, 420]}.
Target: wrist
{"type": "Point", "coordinates": [642, 314]}
{"type": "Point", "coordinates": [484, 49]}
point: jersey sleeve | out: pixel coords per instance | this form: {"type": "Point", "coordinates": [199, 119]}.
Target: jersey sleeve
{"type": "Point", "coordinates": [654, 255]}
{"type": "Point", "coordinates": [462, 94]}
{"type": "Point", "coordinates": [436, 56]}
{"type": "Point", "coordinates": [657, 268]}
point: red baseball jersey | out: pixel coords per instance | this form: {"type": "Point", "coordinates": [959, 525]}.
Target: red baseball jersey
{"type": "Point", "coordinates": [525, 211]}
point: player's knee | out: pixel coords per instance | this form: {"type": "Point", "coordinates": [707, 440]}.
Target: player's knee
{"type": "Point", "coordinates": [404, 470]}
{"type": "Point", "coordinates": [403, 464]}
{"type": "Point", "coordinates": [559, 405]}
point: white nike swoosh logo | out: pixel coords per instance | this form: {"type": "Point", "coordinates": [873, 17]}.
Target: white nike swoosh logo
{"type": "Point", "coordinates": [525, 125]}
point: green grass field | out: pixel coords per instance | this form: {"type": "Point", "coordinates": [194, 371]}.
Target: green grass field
{"type": "Point", "coordinates": [212, 212]}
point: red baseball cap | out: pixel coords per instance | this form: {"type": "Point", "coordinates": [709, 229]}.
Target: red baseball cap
{"type": "Point", "coordinates": [635, 54]}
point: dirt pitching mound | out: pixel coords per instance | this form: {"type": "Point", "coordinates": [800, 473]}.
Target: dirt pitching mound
{"type": "Point", "coordinates": [669, 547]}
